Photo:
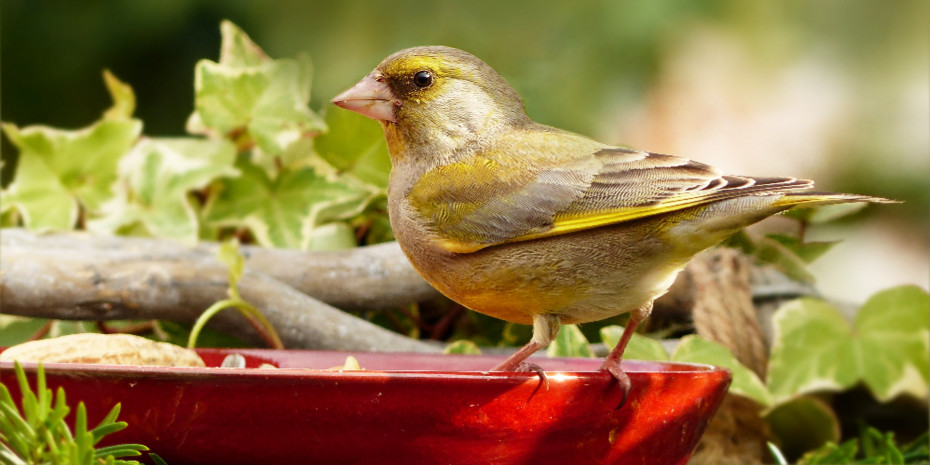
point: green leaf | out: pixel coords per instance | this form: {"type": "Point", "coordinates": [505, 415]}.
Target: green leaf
{"type": "Point", "coordinates": [60, 171]}
{"type": "Point", "coordinates": [237, 50]}
{"type": "Point", "coordinates": [832, 454]}
{"type": "Point", "coordinates": [18, 329]}
{"type": "Point", "coordinates": [157, 177]}
{"type": "Point", "coordinates": [746, 383]}
{"type": "Point", "coordinates": [815, 348]}
{"type": "Point", "coordinates": [121, 450]}
{"type": "Point", "coordinates": [639, 347]}
{"type": "Point", "coordinates": [875, 446]}
{"type": "Point", "coordinates": [772, 252]}
{"type": "Point", "coordinates": [570, 342]}
{"type": "Point", "coordinates": [253, 99]}
{"type": "Point", "coordinates": [803, 424]}
{"type": "Point", "coordinates": [9, 216]}
{"type": "Point", "coordinates": [807, 251]}
{"type": "Point", "coordinates": [332, 236]}
{"type": "Point", "coordinates": [893, 332]}
{"type": "Point", "coordinates": [462, 346]}
{"type": "Point", "coordinates": [811, 350]}
{"type": "Point", "coordinates": [355, 145]}
{"type": "Point", "coordinates": [282, 212]}
{"type": "Point", "coordinates": [124, 99]}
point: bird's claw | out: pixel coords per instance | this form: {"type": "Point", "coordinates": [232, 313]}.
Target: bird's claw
{"type": "Point", "coordinates": [623, 380]}
{"type": "Point", "coordinates": [525, 367]}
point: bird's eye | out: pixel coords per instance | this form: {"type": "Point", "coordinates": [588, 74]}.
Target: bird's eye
{"type": "Point", "coordinates": [423, 79]}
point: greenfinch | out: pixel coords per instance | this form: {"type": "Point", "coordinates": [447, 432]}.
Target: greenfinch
{"type": "Point", "coordinates": [536, 225]}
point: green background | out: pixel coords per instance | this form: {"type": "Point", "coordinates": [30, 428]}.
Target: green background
{"type": "Point", "coordinates": [835, 89]}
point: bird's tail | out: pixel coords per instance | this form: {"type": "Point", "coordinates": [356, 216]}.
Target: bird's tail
{"type": "Point", "coordinates": [814, 199]}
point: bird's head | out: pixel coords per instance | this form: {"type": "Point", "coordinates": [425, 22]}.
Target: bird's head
{"type": "Point", "coordinates": [435, 91]}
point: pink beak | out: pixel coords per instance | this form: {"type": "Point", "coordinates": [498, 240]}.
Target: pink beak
{"type": "Point", "coordinates": [370, 97]}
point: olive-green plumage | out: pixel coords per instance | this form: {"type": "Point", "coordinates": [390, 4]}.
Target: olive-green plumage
{"type": "Point", "coordinates": [533, 224]}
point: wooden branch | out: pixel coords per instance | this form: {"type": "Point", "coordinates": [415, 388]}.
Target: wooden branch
{"type": "Point", "coordinates": [367, 278]}
{"type": "Point", "coordinates": [82, 276]}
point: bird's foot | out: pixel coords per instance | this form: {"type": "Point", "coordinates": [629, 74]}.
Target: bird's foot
{"type": "Point", "coordinates": [525, 367]}
{"type": "Point", "coordinates": [623, 379]}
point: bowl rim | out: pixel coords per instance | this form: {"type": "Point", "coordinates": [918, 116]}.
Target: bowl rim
{"type": "Point", "coordinates": [632, 367]}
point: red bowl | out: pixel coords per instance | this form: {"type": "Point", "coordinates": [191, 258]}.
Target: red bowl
{"type": "Point", "coordinates": [402, 409]}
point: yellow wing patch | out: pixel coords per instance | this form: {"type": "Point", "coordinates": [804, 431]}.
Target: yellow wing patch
{"type": "Point", "coordinates": [573, 223]}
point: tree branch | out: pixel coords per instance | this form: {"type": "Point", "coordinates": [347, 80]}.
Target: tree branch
{"type": "Point", "coordinates": [83, 276]}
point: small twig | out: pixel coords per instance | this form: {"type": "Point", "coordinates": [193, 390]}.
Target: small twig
{"type": "Point", "coordinates": [43, 331]}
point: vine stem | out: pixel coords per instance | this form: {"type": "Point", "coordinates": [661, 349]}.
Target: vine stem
{"type": "Point", "coordinates": [255, 318]}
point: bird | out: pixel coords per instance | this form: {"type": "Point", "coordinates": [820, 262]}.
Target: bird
{"type": "Point", "coordinates": [537, 225]}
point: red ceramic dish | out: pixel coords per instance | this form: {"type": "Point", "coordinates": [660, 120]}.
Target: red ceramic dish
{"type": "Point", "coordinates": [403, 409]}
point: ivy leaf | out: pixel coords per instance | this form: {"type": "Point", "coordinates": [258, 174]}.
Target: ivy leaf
{"type": "Point", "coordinates": [61, 171]}
{"type": "Point", "coordinates": [253, 99]}
{"type": "Point", "coordinates": [332, 236]}
{"type": "Point", "coordinates": [893, 332]}
{"type": "Point", "coordinates": [803, 424]}
{"type": "Point", "coordinates": [693, 349]}
{"type": "Point", "coordinates": [811, 350]}
{"type": "Point", "coordinates": [156, 178]}
{"type": "Point", "coordinates": [37, 193]}
{"type": "Point", "coordinates": [816, 348]}
{"type": "Point", "coordinates": [237, 49]}
{"type": "Point", "coordinates": [746, 383]}
{"type": "Point", "coordinates": [570, 342]}
{"type": "Point", "coordinates": [124, 99]}
{"type": "Point", "coordinates": [355, 145]}
{"type": "Point", "coordinates": [282, 212]}
{"type": "Point", "coordinates": [9, 216]}
{"type": "Point", "coordinates": [639, 348]}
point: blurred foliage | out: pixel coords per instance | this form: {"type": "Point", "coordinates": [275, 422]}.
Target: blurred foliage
{"type": "Point", "coordinates": [577, 64]}
{"type": "Point", "coordinates": [652, 74]}
{"type": "Point", "coordinates": [871, 447]}
{"type": "Point", "coordinates": [816, 354]}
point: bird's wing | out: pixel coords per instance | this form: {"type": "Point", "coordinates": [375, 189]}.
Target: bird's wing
{"type": "Point", "coordinates": [498, 196]}
{"type": "Point", "coordinates": [634, 184]}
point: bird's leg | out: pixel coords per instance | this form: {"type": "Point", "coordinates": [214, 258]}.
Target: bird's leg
{"type": "Point", "coordinates": [612, 362]}
{"type": "Point", "coordinates": [545, 329]}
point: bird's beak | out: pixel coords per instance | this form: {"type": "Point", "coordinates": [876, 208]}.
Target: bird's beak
{"type": "Point", "coordinates": [370, 97]}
